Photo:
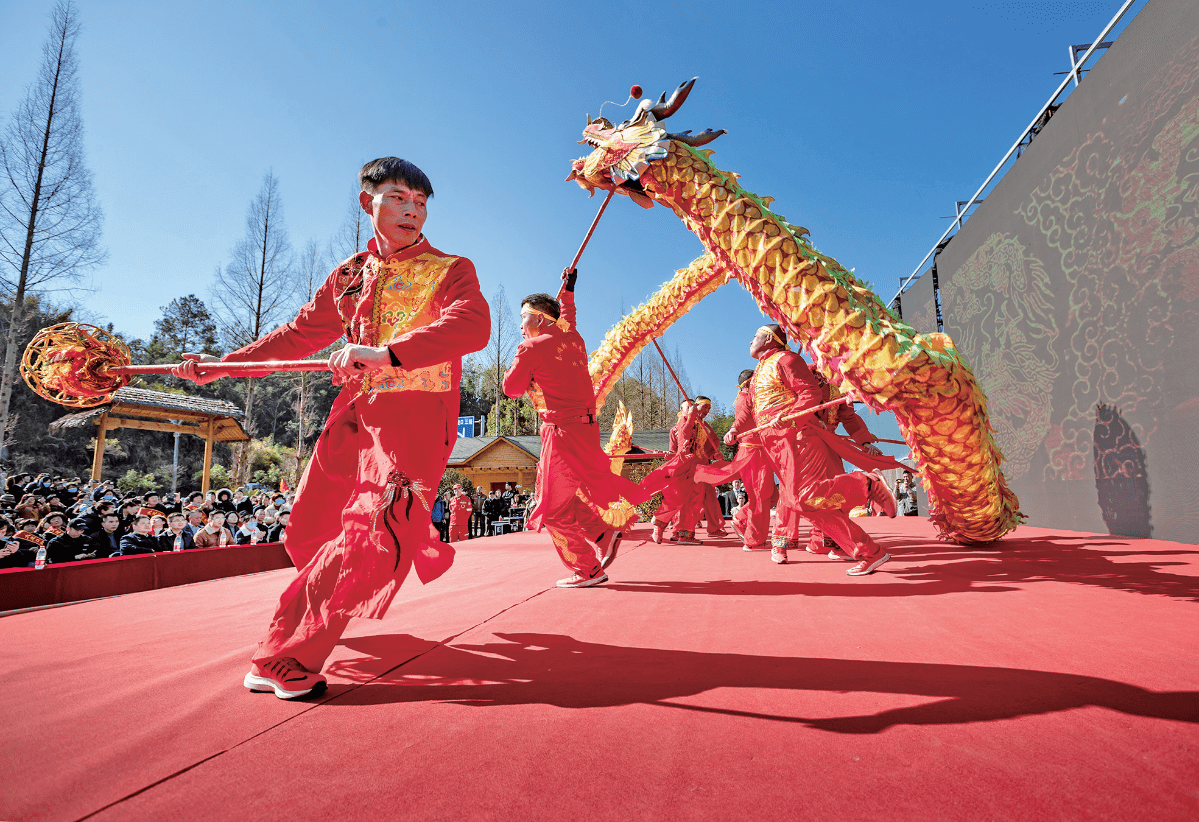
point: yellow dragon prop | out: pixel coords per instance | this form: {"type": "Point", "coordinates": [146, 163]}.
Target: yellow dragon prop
{"type": "Point", "coordinates": [859, 346]}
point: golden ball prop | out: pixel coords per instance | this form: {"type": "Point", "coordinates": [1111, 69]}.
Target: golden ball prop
{"type": "Point", "coordinates": [70, 364]}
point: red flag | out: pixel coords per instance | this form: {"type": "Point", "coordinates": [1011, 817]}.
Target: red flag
{"type": "Point", "coordinates": [282, 486]}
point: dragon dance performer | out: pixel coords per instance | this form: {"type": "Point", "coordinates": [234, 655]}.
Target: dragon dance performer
{"type": "Point", "coordinates": [701, 502]}
{"type": "Point", "coordinates": [551, 366]}
{"type": "Point", "coordinates": [709, 451]}
{"type": "Point", "coordinates": [831, 418]}
{"type": "Point", "coordinates": [752, 521]}
{"type": "Point", "coordinates": [676, 478]}
{"type": "Point", "coordinates": [812, 485]}
{"type": "Point", "coordinates": [460, 511]}
{"type": "Point", "coordinates": [361, 515]}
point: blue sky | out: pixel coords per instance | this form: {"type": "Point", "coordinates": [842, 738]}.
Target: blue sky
{"type": "Point", "coordinates": [865, 121]}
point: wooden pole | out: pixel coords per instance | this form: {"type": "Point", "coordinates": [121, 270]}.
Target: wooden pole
{"type": "Point", "coordinates": [98, 456]}
{"type": "Point", "coordinates": [208, 434]}
{"type": "Point", "coordinates": [666, 362]}
{"type": "Point", "coordinates": [578, 254]}
{"type": "Point", "coordinates": [794, 416]}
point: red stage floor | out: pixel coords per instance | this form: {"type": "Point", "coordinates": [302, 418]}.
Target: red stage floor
{"type": "Point", "coordinates": [1056, 678]}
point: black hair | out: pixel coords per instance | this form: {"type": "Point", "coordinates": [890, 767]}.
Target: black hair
{"type": "Point", "coordinates": [543, 302]}
{"type": "Point", "coordinates": [744, 375]}
{"type": "Point", "coordinates": [778, 329]}
{"type": "Point", "coordinates": [699, 398]}
{"type": "Point", "coordinates": [395, 170]}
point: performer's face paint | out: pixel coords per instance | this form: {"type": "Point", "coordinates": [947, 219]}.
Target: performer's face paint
{"type": "Point", "coordinates": [397, 214]}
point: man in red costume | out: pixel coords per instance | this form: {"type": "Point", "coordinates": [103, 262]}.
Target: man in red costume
{"type": "Point", "coordinates": [808, 470]}
{"type": "Point", "coordinates": [460, 511]}
{"type": "Point", "coordinates": [551, 366]}
{"type": "Point", "coordinates": [708, 443]}
{"type": "Point", "coordinates": [361, 515]}
{"type": "Point", "coordinates": [752, 520]}
{"type": "Point", "coordinates": [831, 418]}
{"type": "Point", "coordinates": [681, 500]}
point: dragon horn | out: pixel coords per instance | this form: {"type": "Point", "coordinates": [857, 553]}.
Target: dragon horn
{"type": "Point", "coordinates": [665, 108]}
{"type": "Point", "coordinates": [697, 140]}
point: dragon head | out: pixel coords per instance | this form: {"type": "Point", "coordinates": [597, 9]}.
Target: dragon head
{"type": "Point", "coordinates": [622, 153]}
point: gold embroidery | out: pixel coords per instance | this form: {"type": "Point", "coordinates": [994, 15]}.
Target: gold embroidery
{"type": "Point", "coordinates": [769, 393]}
{"type": "Point", "coordinates": [403, 302]}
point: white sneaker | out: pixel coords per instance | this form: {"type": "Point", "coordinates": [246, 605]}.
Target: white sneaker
{"type": "Point", "coordinates": [867, 566]}
{"type": "Point", "coordinates": [577, 581]}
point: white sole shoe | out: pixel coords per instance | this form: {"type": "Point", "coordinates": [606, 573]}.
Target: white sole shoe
{"type": "Point", "coordinates": [262, 684]}
{"type": "Point", "coordinates": [867, 567]}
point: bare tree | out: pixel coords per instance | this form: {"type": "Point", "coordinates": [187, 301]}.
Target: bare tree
{"type": "Point", "coordinates": [354, 234]}
{"type": "Point", "coordinates": [256, 289]}
{"type": "Point", "coordinates": [309, 277]}
{"type": "Point", "coordinates": [50, 222]}
{"type": "Point", "coordinates": [497, 356]}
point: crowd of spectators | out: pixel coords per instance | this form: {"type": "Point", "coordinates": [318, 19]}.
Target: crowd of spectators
{"type": "Point", "coordinates": [486, 509]}
{"type": "Point", "coordinates": [74, 520]}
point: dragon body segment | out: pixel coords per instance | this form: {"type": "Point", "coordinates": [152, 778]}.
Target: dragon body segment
{"type": "Point", "coordinates": [859, 346]}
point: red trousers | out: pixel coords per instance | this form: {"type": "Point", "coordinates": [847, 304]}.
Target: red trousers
{"type": "Point", "coordinates": [678, 504]}
{"type": "Point", "coordinates": [753, 518]}
{"type": "Point", "coordinates": [349, 516]}
{"type": "Point", "coordinates": [459, 528]}
{"type": "Point", "coordinates": [573, 461]}
{"type": "Point", "coordinates": [827, 506]}
{"type": "Point", "coordinates": [800, 460]}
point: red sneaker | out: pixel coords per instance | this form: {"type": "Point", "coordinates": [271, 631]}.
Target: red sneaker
{"type": "Point", "coordinates": [656, 534]}
{"type": "Point", "coordinates": [778, 556]}
{"type": "Point", "coordinates": [879, 495]}
{"type": "Point", "coordinates": [286, 677]}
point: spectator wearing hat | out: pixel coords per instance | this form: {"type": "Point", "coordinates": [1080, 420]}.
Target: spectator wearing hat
{"type": "Point", "coordinates": [224, 500]}
{"type": "Point", "coordinates": [176, 535]}
{"type": "Point", "coordinates": [69, 546]}
{"type": "Point", "coordinates": [140, 541]}
{"type": "Point", "coordinates": [106, 541]}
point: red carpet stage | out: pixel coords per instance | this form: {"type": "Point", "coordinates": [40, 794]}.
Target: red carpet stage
{"type": "Point", "coordinates": [1056, 678]}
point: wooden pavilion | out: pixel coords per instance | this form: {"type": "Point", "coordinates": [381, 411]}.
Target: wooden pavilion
{"type": "Point", "coordinates": [213, 420]}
